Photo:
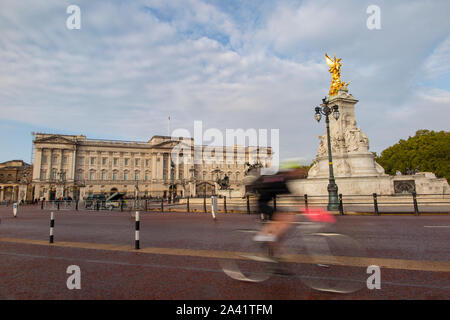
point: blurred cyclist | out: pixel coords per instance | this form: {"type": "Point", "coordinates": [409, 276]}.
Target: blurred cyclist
{"type": "Point", "coordinates": [269, 186]}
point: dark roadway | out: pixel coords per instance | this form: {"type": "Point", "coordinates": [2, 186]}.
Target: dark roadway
{"type": "Point", "coordinates": [181, 253]}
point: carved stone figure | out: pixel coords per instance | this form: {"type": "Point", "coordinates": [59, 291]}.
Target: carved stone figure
{"type": "Point", "coordinates": [363, 141]}
{"type": "Point", "coordinates": [343, 167]}
{"type": "Point", "coordinates": [322, 146]}
{"type": "Point", "coordinates": [224, 183]}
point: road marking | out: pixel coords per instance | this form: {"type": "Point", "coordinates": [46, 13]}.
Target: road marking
{"type": "Point", "coordinates": [401, 264]}
{"type": "Point", "coordinates": [436, 226]}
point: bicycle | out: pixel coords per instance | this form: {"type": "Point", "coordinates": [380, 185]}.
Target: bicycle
{"type": "Point", "coordinates": [311, 250]}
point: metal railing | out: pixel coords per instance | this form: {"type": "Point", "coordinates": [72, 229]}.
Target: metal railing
{"type": "Point", "coordinates": [375, 204]}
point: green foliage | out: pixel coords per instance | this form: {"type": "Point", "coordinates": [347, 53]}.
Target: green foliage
{"type": "Point", "coordinates": [427, 150]}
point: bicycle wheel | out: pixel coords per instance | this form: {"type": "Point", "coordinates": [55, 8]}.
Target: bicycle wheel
{"type": "Point", "coordinates": [252, 263]}
{"type": "Point", "coordinates": [326, 261]}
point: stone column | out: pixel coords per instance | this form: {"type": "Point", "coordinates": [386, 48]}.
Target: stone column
{"type": "Point", "coordinates": [154, 166]}
{"type": "Point", "coordinates": [177, 168]}
{"type": "Point", "coordinates": [22, 192]}
{"type": "Point", "coordinates": [159, 166]}
{"type": "Point", "coordinates": [2, 194]}
{"type": "Point", "coordinates": [50, 159]}
{"type": "Point", "coordinates": [61, 153]}
{"type": "Point", "coordinates": [74, 157]}
{"type": "Point", "coordinates": [37, 164]}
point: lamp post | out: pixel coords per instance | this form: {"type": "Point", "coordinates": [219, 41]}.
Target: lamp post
{"type": "Point", "coordinates": [333, 203]}
{"type": "Point", "coordinates": [172, 178]}
{"type": "Point", "coordinates": [193, 181]}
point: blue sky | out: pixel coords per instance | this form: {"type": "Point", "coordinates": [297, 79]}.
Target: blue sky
{"type": "Point", "coordinates": [231, 64]}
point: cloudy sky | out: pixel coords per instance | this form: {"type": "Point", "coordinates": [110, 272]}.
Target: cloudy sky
{"type": "Point", "coordinates": [231, 64]}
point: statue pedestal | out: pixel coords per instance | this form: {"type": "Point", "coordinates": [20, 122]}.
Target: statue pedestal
{"type": "Point", "coordinates": [355, 169]}
{"type": "Point", "coordinates": [236, 192]}
{"type": "Point", "coordinates": [349, 145]}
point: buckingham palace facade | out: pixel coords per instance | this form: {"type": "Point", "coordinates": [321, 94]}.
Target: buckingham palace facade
{"type": "Point", "coordinates": [75, 166]}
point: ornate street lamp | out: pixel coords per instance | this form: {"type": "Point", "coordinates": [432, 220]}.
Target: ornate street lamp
{"type": "Point", "coordinates": [172, 181]}
{"type": "Point", "coordinates": [333, 204]}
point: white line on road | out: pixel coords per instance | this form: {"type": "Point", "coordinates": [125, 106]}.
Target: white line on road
{"type": "Point", "coordinates": [436, 226]}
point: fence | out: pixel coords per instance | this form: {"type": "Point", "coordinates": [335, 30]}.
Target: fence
{"type": "Point", "coordinates": [371, 204]}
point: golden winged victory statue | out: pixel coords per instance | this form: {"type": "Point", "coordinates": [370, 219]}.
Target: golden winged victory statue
{"type": "Point", "coordinates": [335, 70]}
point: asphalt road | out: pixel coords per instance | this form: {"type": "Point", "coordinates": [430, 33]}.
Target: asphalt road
{"type": "Point", "coordinates": [182, 255]}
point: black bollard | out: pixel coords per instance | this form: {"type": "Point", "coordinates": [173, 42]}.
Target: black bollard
{"type": "Point", "coordinates": [187, 204]}
{"type": "Point", "coordinates": [416, 207]}
{"type": "Point", "coordinates": [375, 204]}
{"type": "Point", "coordinates": [225, 204]}
{"type": "Point", "coordinates": [341, 205]}
{"type": "Point", "coordinates": [136, 237]}
{"type": "Point", "coordinates": [52, 225]}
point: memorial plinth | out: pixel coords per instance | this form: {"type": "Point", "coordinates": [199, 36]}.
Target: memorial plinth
{"type": "Point", "coordinates": [355, 169]}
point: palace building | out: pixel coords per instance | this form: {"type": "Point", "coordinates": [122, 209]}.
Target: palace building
{"type": "Point", "coordinates": [74, 166]}
{"type": "Point", "coordinates": [15, 181]}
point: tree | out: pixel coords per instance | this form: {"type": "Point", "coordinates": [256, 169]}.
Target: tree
{"type": "Point", "coordinates": [427, 151]}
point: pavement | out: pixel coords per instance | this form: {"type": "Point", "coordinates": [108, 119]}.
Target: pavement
{"type": "Point", "coordinates": [182, 256]}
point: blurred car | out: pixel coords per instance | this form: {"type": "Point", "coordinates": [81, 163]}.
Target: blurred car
{"type": "Point", "coordinates": [114, 201]}
{"type": "Point", "coordinates": [91, 201]}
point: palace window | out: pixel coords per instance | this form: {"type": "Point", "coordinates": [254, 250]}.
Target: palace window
{"type": "Point", "coordinates": [64, 160]}
{"type": "Point", "coordinates": [146, 176]}
{"type": "Point", "coordinates": [92, 175]}
{"type": "Point", "coordinates": [125, 176]}
{"type": "Point", "coordinates": [104, 161]}
{"type": "Point", "coordinates": [147, 162]}
{"type": "Point", "coordinates": [136, 162]}
{"type": "Point", "coordinates": [92, 160]}
{"type": "Point", "coordinates": [116, 162]}
{"type": "Point", "coordinates": [103, 175]}
{"type": "Point", "coordinates": [43, 174]}
{"type": "Point", "coordinates": [126, 161]}
{"type": "Point", "coordinates": [114, 175]}
{"type": "Point", "coordinates": [44, 159]}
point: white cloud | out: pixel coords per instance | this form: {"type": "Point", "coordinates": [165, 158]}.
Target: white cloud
{"type": "Point", "coordinates": [438, 63]}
